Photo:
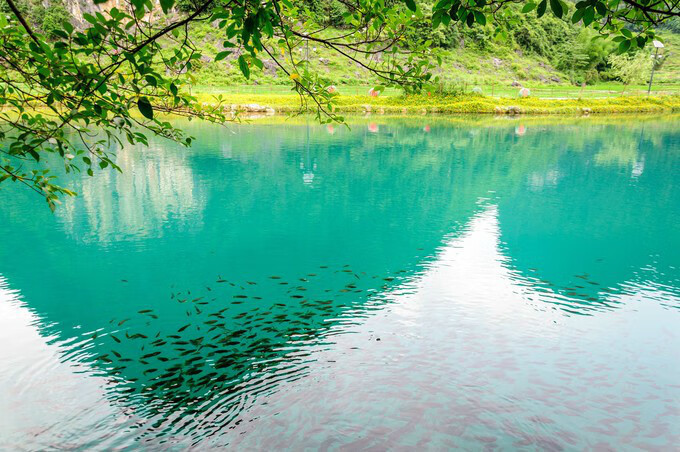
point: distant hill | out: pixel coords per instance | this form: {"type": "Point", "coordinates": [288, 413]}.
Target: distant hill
{"type": "Point", "coordinates": [546, 51]}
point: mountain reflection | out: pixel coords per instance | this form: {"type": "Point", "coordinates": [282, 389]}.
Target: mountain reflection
{"type": "Point", "coordinates": [201, 278]}
{"type": "Point", "coordinates": [155, 187]}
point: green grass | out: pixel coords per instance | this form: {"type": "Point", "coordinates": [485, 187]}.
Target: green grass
{"type": "Point", "coordinates": [602, 90]}
{"type": "Point", "coordinates": [424, 104]}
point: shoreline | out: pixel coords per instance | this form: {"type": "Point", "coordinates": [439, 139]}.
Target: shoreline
{"type": "Point", "coordinates": [432, 105]}
{"type": "Point", "coordinates": [264, 105]}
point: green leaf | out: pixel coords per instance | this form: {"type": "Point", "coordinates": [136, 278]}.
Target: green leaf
{"type": "Point", "coordinates": [601, 8]}
{"type": "Point", "coordinates": [626, 33]}
{"type": "Point", "coordinates": [480, 18]}
{"type": "Point", "coordinates": [243, 65]}
{"type": "Point", "coordinates": [588, 16]}
{"type": "Point", "coordinates": [411, 4]}
{"type": "Point", "coordinates": [90, 18]}
{"type": "Point", "coordinates": [470, 19]}
{"type": "Point", "coordinates": [541, 8]}
{"type": "Point", "coordinates": [528, 7]}
{"type": "Point", "coordinates": [257, 62]}
{"type": "Point", "coordinates": [151, 80]}
{"type": "Point", "coordinates": [556, 7]}
{"type": "Point", "coordinates": [222, 55]}
{"type": "Point", "coordinates": [436, 19]}
{"type": "Point", "coordinates": [145, 107]}
{"type": "Point", "coordinates": [167, 5]}
{"type": "Point", "coordinates": [578, 15]}
{"type": "Point", "coordinates": [624, 46]}
{"type": "Point", "coordinates": [442, 4]}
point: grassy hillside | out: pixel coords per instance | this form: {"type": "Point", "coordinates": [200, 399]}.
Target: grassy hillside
{"type": "Point", "coordinates": [477, 60]}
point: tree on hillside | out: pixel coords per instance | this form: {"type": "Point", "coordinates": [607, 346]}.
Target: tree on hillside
{"type": "Point", "coordinates": [631, 68]}
{"type": "Point", "coordinates": [68, 92]}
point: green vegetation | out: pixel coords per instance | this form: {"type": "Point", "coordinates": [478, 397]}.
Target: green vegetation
{"type": "Point", "coordinates": [471, 57]}
{"type": "Point", "coordinates": [72, 86]}
{"type": "Point", "coordinates": [424, 104]}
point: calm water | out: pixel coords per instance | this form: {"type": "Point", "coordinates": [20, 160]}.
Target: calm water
{"type": "Point", "coordinates": [404, 284]}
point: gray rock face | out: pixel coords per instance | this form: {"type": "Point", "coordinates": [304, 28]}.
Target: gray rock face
{"type": "Point", "coordinates": [270, 67]}
{"type": "Point", "coordinates": [78, 8]}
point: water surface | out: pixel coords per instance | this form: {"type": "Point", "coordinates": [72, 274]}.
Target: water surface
{"type": "Point", "coordinates": [410, 283]}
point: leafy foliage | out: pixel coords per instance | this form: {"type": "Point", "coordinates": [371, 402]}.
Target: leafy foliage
{"type": "Point", "coordinates": [616, 18]}
{"type": "Point", "coordinates": [631, 68]}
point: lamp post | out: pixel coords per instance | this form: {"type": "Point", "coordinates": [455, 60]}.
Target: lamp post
{"type": "Point", "coordinates": [657, 45]}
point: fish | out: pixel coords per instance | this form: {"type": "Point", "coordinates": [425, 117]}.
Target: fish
{"type": "Point", "coordinates": [136, 336]}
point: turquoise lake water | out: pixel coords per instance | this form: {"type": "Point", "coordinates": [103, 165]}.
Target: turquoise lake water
{"type": "Point", "coordinates": [402, 284]}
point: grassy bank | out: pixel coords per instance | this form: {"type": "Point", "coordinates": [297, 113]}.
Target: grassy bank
{"type": "Point", "coordinates": [424, 104]}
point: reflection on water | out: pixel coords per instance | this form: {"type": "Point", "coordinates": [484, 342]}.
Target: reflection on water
{"type": "Point", "coordinates": [425, 285]}
{"type": "Point", "coordinates": [157, 187]}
